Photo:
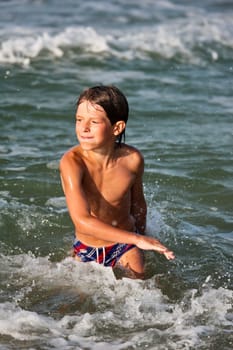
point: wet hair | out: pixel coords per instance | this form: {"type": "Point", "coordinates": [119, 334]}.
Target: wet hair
{"type": "Point", "coordinates": [112, 100]}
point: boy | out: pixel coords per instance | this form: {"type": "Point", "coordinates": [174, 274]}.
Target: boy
{"type": "Point", "coordinates": [102, 181]}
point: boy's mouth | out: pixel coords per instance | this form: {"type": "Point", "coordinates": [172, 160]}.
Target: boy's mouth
{"type": "Point", "coordinates": [86, 137]}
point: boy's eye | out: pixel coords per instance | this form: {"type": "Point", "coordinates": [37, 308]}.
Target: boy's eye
{"type": "Point", "coordinates": [94, 121]}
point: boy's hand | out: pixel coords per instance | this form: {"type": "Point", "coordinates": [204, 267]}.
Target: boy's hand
{"type": "Point", "coordinates": [169, 255]}
{"type": "Point", "coordinates": [149, 243]}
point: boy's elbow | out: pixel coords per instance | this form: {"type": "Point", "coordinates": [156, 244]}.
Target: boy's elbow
{"type": "Point", "coordinates": [82, 224]}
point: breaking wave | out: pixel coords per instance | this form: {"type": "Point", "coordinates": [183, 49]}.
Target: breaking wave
{"type": "Point", "coordinates": [193, 39]}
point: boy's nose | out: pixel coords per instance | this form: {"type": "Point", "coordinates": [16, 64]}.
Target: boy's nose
{"type": "Point", "coordinates": [86, 126]}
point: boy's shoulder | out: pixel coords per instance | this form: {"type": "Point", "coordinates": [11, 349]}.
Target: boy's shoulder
{"type": "Point", "coordinates": [72, 152]}
{"type": "Point", "coordinates": [130, 150]}
{"type": "Point", "coordinates": [73, 155]}
{"type": "Point", "coordinates": [131, 155]}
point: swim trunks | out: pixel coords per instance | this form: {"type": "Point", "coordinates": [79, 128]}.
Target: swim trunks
{"type": "Point", "coordinates": [108, 256]}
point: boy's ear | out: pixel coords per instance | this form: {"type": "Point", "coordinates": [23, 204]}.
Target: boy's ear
{"type": "Point", "coordinates": [119, 127]}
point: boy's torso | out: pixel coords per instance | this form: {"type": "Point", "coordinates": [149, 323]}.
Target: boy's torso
{"type": "Point", "coordinates": [108, 190]}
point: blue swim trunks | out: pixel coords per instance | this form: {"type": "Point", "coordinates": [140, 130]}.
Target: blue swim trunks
{"type": "Point", "coordinates": [108, 256]}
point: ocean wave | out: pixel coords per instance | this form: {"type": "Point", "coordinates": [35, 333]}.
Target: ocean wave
{"type": "Point", "coordinates": [23, 48]}
{"type": "Point", "coordinates": [192, 39]}
{"type": "Point", "coordinates": [65, 304]}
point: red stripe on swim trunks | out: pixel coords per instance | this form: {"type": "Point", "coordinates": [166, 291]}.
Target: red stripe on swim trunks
{"type": "Point", "coordinates": [78, 246]}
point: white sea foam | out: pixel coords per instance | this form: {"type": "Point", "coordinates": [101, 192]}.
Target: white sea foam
{"type": "Point", "coordinates": [58, 203]}
{"type": "Point", "coordinates": [137, 307]}
{"type": "Point", "coordinates": [3, 203]}
{"type": "Point", "coordinates": [54, 165]}
{"type": "Point", "coordinates": [21, 49]}
{"type": "Point", "coordinates": [180, 36]}
{"type": "Point", "coordinates": [16, 169]}
{"type": "Point", "coordinates": [23, 151]}
{"type": "Point", "coordinates": [21, 324]}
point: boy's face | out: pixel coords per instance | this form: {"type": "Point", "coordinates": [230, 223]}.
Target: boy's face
{"type": "Point", "coordinates": [93, 128]}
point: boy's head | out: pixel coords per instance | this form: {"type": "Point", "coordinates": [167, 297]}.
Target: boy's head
{"type": "Point", "coordinates": [111, 99]}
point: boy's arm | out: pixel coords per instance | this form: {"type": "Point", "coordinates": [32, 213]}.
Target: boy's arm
{"type": "Point", "coordinates": [138, 202]}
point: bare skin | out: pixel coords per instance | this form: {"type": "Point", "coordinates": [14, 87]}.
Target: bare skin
{"type": "Point", "coordinates": [103, 187]}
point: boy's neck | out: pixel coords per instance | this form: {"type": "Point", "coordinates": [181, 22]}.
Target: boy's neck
{"type": "Point", "coordinates": [102, 157]}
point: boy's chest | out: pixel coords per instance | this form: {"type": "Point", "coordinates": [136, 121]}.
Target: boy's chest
{"type": "Point", "coordinates": [112, 185]}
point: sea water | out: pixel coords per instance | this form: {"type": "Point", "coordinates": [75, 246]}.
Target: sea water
{"type": "Point", "coordinates": [173, 60]}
